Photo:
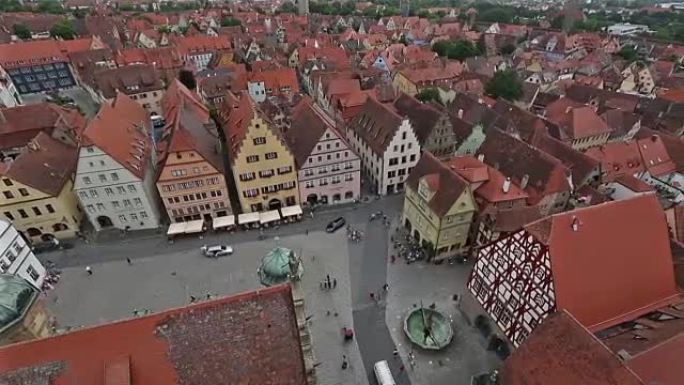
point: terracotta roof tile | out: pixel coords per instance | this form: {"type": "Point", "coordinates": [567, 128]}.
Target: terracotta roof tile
{"type": "Point", "coordinates": [309, 123]}
{"type": "Point", "coordinates": [575, 119]}
{"type": "Point", "coordinates": [620, 249]}
{"type": "Point", "coordinates": [121, 129]}
{"type": "Point", "coordinates": [581, 165]}
{"type": "Point", "coordinates": [617, 158]}
{"type": "Point", "coordinates": [19, 125]}
{"type": "Point", "coordinates": [45, 165]}
{"type": "Point", "coordinates": [655, 156]}
{"type": "Point", "coordinates": [423, 116]}
{"type": "Point", "coordinates": [376, 124]}
{"type": "Point", "coordinates": [249, 338]}
{"type": "Point", "coordinates": [132, 79]}
{"type": "Point", "coordinates": [562, 352]}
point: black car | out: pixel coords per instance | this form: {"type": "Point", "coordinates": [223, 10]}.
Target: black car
{"type": "Point", "coordinates": [335, 225]}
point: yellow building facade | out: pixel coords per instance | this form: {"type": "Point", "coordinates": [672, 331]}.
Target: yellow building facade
{"type": "Point", "coordinates": [262, 165]}
{"type": "Point", "coordinates": [438, 207]}
{"type": "Point", "coordinates": [403, 84]}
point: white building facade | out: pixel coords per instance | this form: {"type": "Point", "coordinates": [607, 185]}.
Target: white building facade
{"type": "Point", "coordinates": [387, 145]}
{"type": "Point", "coordinates": [16, 257]}
{"type": "Point", "coordinates": [111, 195]}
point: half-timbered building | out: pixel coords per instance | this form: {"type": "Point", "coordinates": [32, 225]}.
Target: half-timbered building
{"type": "Point", "coordinates": [604, 264]}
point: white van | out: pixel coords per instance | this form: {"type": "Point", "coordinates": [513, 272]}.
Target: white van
{"type": "Point", "coordinates": [383, 373]}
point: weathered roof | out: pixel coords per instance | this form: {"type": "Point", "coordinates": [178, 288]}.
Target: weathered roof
{"type": "Point", "coordinates": [446, 185]}
{"type": "Point", "coordinates": [45, 165]}
{"type": "Point", "coordinates": [619, 249]}
{"type": "Point", "coordinates": [18, 125]}
{"type": "Point", "coordinates": [309, 123]}
{"type": "Point", "coordinates": [423, 116]}
{"type": "Point", "coordinates": [121, 129]}
{"type": "Point", "coordinates": [376, 124]}
{"type": "Point", "coordinates": [515, 159]}
{"type": "Point", "coordinates": [16, 295]}
{"type": "Point", "coordinates": [576, 120]}
{"type": "Point", "coordinates": [581, 166]}
{"type": "Point", "coordinates": [562, 352]}
{"type": "Point", "coordinates": [188, 126]}
{"type": "Point", "coordinates": [131, 79]}
{"type": "Point", "coordinates": [249, 338]}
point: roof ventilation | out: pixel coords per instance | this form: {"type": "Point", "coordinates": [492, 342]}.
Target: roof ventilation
{"type": "Point", "coordinates": [506, 185]}
{"type": "Point", "coordinates": [624, 355]}
{"type": "Point", "coordinates": [575, 224]}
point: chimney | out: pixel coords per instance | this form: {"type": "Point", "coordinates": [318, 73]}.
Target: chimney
{"type": "Point", "coordinates": [523, 182]}
{"type": "Point", "coordinates": [575, 223]}
{"type": "Point", "coordinates": [654, 138]}
{"type": "Point", "coordinates": [480, 158]}
{"type": "Point", "coordinates": [506, 185]}
{"type": "Point", "coordinates": [460, 113]}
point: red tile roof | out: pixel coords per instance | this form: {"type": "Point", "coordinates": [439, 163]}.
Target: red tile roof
{"type": "Point", "coordinates": [249, 338]}
{"type": "Point", "coordinates": [662, 364]}
{"type": "Point", "coordinates": [491, 189]}
{"type": "Point", "coordinates": [617, 159]}
{"type": "Point", "coordinates": [620, 249]}
{"type": "Point", "coordinates": [45, 165]}
{"type": "Point", "coordinates": [446, 185]}
{"type": "Point", "coordinates": [276, 79]}
{"type": "Point", "coordinates": [19, 125]}
{"type": "Point", "coordinates": [376, 124]}
{"type": "Point", "coordinates": [309, 123]}
{"type": "Point", "coordinates": [655, 156]}
{"type": "Point", "coordinates": [188, 45]}
{"type": "Point", "coordinates": [562, 352]}
{"type": "Point", "coordinates": [122, 130]}
{"type": "Point", "coordinates": [575, 119]}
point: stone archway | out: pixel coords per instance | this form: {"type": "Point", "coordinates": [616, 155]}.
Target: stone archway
{"type": "Point", "coordinates": [312, 199]}
{"type": "Point", "coordinates": [59, 227]}
{"type": "Point", "coordinates": [416, 236]}
{"type": "Point", "coordinates": [33, 232]}
{"type": "Point", "coordinates": [274, 204]}
{"type": "Point", "coordinates": [104, 221]}
{"type": "Point", "coordinates": [408, 226]}
{"type": "Point", "coordinates": [47, 237]}
{"type": "Point", "coordinates": [336, 198]}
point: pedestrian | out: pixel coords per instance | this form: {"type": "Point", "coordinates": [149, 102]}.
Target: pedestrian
{"type": "Point", "coordinates": [327, 279]}
{"type": "Point", "coordinates": [395, 353]}
{"type": "Point", "coordinates": [334, 283]}
{"type": "Point", "coordinates": [401, 368]}
{"type": "Point", "coordinates": [307, 231]}
{"type": "Point", "coordinates": [129, 261]}
{"type": "Point", "coordinates": [89, 270]}
{"type": "Point", "coordinates": [344, 362]}
{"type": "Point", "coordinates": [385, 288]}
{"type": "Point", "coordinates": [392, 258]}
{"type": "Point", "coordinates": [372, 296]}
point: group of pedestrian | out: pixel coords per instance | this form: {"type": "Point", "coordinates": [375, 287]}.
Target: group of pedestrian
{"type": "Point", "coordinates": [383, 292]}
{"type": "Point", "coordinates": [328, 283]}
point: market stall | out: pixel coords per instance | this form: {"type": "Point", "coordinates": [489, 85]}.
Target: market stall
{"type": "Point", "coordinates": [248, 220]}
{"type": "Point", "coordinates": [267, 218]}
{"type": "Point", "coordinates": [291, 213]}
{"type": "Point", "coordinates": [227, 222]}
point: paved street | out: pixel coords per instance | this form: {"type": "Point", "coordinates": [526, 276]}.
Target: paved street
{"type": "Point", "coordinates": [166, 274]}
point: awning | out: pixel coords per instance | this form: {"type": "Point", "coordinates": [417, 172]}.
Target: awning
{"type": "Point", "coordinates": [226, 221]}
{"type": "Point", "coordinates": [246, 218]}
{"type": "Point", "coordinates": [176, 228]}
{"type": "Point", "coordinates": [194, 226]}
{"type": "Point", "coordinates": [269, 216]}
{"type": "Point", "coordinates": [291, 211]}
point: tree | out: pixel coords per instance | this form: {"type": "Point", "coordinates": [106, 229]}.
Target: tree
{"type": "Point", "coordinates": [286, 7]}
{"type": "Point", "coordinates": [628, 53]}
{"type": "Point", "coordinates": [459, 50]}
{"type": "Point", "coordinates": [496, 15]}
{"type": "Point", "coordinates": [50, 6]}
{"type": "Point", "coordinates": [22, 31]}
{"type": "Point", "coordinates": [505, 84]}
{"type": "Point", "coordinates": [188, 79]}
{"type": "Point", "coordinates": [427, 94]}
{"type": "Point", "coordinates": [507, 49]}
{"type": "Point", "coordinates": [64, 29]}
{"type": "Point", "coordinates": [232, 22]}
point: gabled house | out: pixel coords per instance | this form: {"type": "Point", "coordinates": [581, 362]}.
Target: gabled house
{"type": "Point", "coordinates": [544, 178]}
{"type": "Point", "coordinates": [387, 144]}
{"type": "Point", "coordinates": [438, 207]}
{"type": "Point", "coordinates": [263, 166]}
{"type": "Point", "coordinates": [577, 124]}
{"type": "Point", "coordinates": [568, 261]}
{"type": "Point", "coordinates": [115, 175]}
{"type": "Point", "coordinates": [190, 172]}
{"type": "Point", "coordinates": [37, 190]}
{"type": "Point", "coordinates": [141, 83]}
{"type": "Point", "coordinates": [433, 126]}
{"type": "Point", "coordinates": [328, 170]}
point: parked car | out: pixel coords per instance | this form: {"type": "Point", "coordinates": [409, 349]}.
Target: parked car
{"type": "Point", "coordinates": [216, 251]}
{"type": "Point", "coordinates": [335, 225]}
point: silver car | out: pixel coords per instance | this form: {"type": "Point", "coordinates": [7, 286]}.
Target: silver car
{"type": "Point", "coordinates": [216, 251]}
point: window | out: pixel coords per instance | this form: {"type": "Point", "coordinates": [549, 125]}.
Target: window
{"type": "Point", "coordinates": [127, 203]}
{"type": "Point", "coordinates": [100, 207]}
{"type": "Point", "coordinates": [93, 193]}
{"type": "Point", "coordinates": [134, 216]}
{"type": "Point", "coordinates": [22, 213]}
{"type": "Point", "coordinates": [349, 177]}
{"type": "Point", "coordinates": [109, 191]}
{"type": "Point", "coordinates": [308, 172]}
{"type": "Point", "coordinates": [284, 170]}
{"type": "Point", "coordinates": [247, 176]}
{"type": "Point", "coordinates": [120, 189]}
{"type": "Point", "coordinates": [32, 273]}
{"type": "Point", "coordinates": [259, 140]}
{"type": "Point", "coordinates": [137, 201]}
{"type": "Point", "coordinates": [252, 158]}
{"type": "Point", "coordinates": [23, 192]}
{"type": "Point", "coordinates": [403, 135]}
{"type": "Point", "coordinates": [8, 215]}
{"type": "Point", "coordinates": [131, 188]}
{"type": "Point", "coordinates": [391, 174]}
{"type": "Point", "coordinates": [250, 193]}
{"type": "Point", "coordinates": [90, 208]}
{"type": "Point", "coordinates": [143, 214]}
{"type": "Point", "coordinates": [402, 171]}
{"type": "Point", "coordinates": [116, 204]}
{"type": "Point", "coordinates": [102, 178]}
{"type": "Point", "coordinates": [86, 180]}
{"type": "Point", "coordinates": [122, 218]}
{"type": "Point", "coordinates": [50, 209]}
{"type": "Point", "coordinates": [271, 155]}
{"type": "Point", "coordinates": [266, 173]}
{"type": "Point", "coordinates": [8, 194]}
{"type": "Point", "coordinates": [83, 194]}
{"type": "Point", "coordinates": [403, 159]}
{"type": "Point", "coordinates": [394, 161]}
{"type": "Point", "coordinates": [178, 172]}
{"type": "Point", "coordinates": [7, 182]}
